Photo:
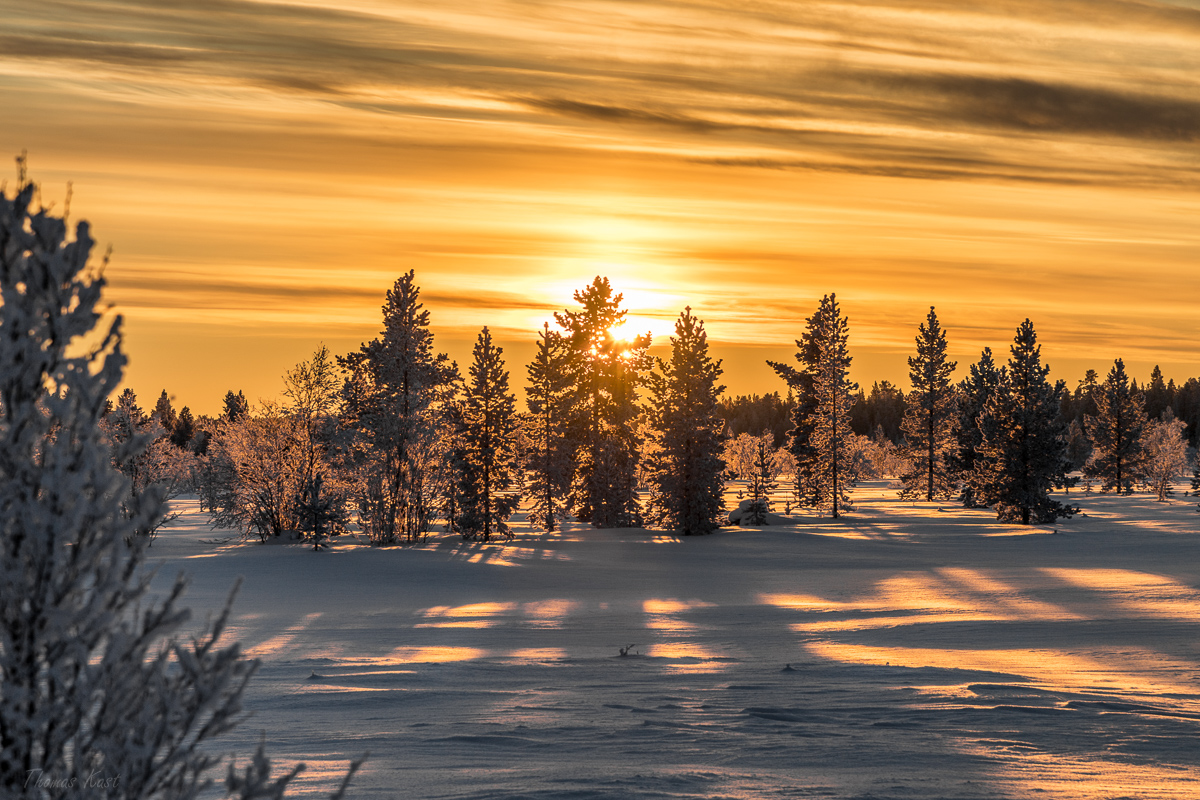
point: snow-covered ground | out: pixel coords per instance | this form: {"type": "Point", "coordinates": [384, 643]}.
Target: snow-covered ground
{"type": "Point", "coordinates": [906, 650]}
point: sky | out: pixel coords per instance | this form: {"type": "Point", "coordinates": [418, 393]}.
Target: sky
{"type": "Point", "coordinates": [265, 171]}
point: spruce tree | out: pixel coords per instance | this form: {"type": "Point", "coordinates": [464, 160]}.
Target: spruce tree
{"type": "Point", "coordinates": [1157, 395]}
{"type": "Point", "coordinates": [99, 695]}
{"type": "Point", "coordinates": [760, 485]}
{"type": "Point", "coordinates": [550, 397]}
{"type": "Point", "coordinates": [184, 430]}
{"type": "Point", "coordinates": [393, 399]}
{"type": "Point", "coordinates": [973, 395]}
{"type": "Point", "coordinates": [165, 414]}
{"type": "Point", "coordinates": [931, 418]}
{"type": "Point", "coordinates": [834, 395]}
{"type": "Point", "coordinates": [608, 373]}
{"type": "Point", "coordinates": [487, 438]}
{"type": "Point", "coordinates": [802, 388]}
{"type": "Point", "coordinates": [686, 471]}
{"type": "Point", "coordinates": [236, 406]}
{"type": "Point", "coordinates": [1024, 450]}
{"type": "Point", "coordinates": [1116, 433]}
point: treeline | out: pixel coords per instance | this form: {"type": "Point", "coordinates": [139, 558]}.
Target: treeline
{"type": "Point", "coordinates": [396, 439]}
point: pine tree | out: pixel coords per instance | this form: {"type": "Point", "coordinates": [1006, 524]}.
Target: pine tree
{"type": "Point", "coordinates": [931, 417]}
{"type": "Point", "coordinates": [1157, 395]}
{"type": "Point", "coordinates": [802, 388]}
{"type": "Point", "coordinates": [94, 683]}
{"type": "Point", "coordinates": [686, 472]}
{"type": "Point", "coordinates": [320, 514]}
{"type": "Point", "coordinates": [1116, 433]}
{"type": "Point", "coordinates": [608, 372]}
{"type": "Point", "coordinates": [1023, 453]}
{"type": "Point", "coordinates": [833, 392]}
{"type": "Point", "coordinates": [165, 414]}
{"type": "Point", "coordinates": [973, 395]}
{"type": "Point", "coordinates": [550, 397]}
{"type": "Point", "coordinates": [760, 485]}
{"type": "Point", "coordinates": [393, 399]}
{"type": "Point", "coordinates": [236, 406]}
{"type": "Point", "coordinates": [1195, 476]}
{"type": "Point", "coordinates": [487, 438]}
{"type": "Point", "coordinates": [184, 430]}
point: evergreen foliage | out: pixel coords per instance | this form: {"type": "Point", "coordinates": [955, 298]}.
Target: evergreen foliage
{"type": "Point", "coordinates": [1023, 452]}
{"type": "Point", "coordinates": [1156, 395]}
{"type": "Point", "coordinates": [1116, 432]}
{"type": "Point", "coordinates": [974, 392]}
{"type": "Point", "coordinates": [236, 406]}
{"type": "Point", "coordinates": [754, 414]}
{"type": "Point", "coordinates": [931, 418]}
{"type": "Point", "coordinates": [824, 398]}
{"type": "Point", "coordinates": [802, 386]}
{"type": "Point", "coordinates": [686, 472]}
{"type": "Point", "coordinates": [608, 372]}
{"type": "Point", "coordinates": [94, 683]}
{"type": "Point", "coordinates": [879, 411]}
{"type": "Point", "coordinates": [164, 413]}
{"type": "Point", "coordinates": [762, 482]}
{"type": "Point", "coordinates": [486, 446]}
{"type": "Point", "coordinates": [319, 514]}
{"type": "Point", "coordinates": [184, 430]}
{"type": "Point", "coordinates": [394, 401]}
{"type": "Point", "coordinates": [551, 399]}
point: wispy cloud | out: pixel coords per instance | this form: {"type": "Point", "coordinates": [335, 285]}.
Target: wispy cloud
{"type": "Point", "coordinates": [754, 156]}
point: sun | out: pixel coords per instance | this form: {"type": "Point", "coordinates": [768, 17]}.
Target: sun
{"type": "Point", "coordinates": [636, 325]}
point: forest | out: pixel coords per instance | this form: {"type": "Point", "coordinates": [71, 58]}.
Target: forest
{"type": "Point", "coordinates": [394, 440]}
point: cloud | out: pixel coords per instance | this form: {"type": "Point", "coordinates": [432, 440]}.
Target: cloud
{"type": "Point", "coordinates": [1042, 107]}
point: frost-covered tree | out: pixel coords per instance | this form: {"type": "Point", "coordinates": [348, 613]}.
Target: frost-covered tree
{"type": "Point", "coordinates": [1023, 452]}
{"type": "Point", "coordinates": [1164, 451]}
{"type": "Point", "coordinates": [394, 400]}
{"type": "Point", "coordinates": [486, 444]}
{"type": "Point", "coordinates": [686, 472]}
{"type": "Point", "coordinates": [834, 393]}
{"type": "Point", "coordinates": [738, 453]}
{"type": "Point", "coordinates": [158, 467]}
{"type": "Point", "coordinates": [760, 485]}
{"type": "Point", "coordinates": [931, 417]}
{"type": "Point", "coordinates": [824, 396]}
{"type": "Point", "coordinates": [974, 392]}
{"type": "Point", "coordinates": [312, 389]}
{"type": "Point", "coordinates": [261, 457]}
{"type": "Point", "coordinates": [608, 371]}
{"type": "Point", "coordinates": [1116, 432]}
{"type": "Point", "coordinates": [98, 696]}
{"type": "Point", "coordinates": [550, 397]}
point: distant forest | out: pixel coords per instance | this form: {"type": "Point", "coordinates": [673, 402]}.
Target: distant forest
{"type": "Point", "coordinates": [880, 411]}
{"type": "Point", "coordinates": [396, 440]}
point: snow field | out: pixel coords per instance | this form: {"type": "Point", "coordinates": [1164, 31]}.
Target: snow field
{"type": "Point", "coordinates": [908, 650]}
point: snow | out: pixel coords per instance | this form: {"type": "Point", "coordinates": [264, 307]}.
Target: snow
{"type": "Point", "coordinates": [908, 650]}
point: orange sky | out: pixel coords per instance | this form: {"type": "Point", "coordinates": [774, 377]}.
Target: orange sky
{"type": "Point", "coordinates": [264, 171]}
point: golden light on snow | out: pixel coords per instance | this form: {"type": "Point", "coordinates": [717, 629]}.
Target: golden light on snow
{"type": "Point", "coordinates": [1138, 672]}
{"type": "Point", "coordinates": [432, 654]}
